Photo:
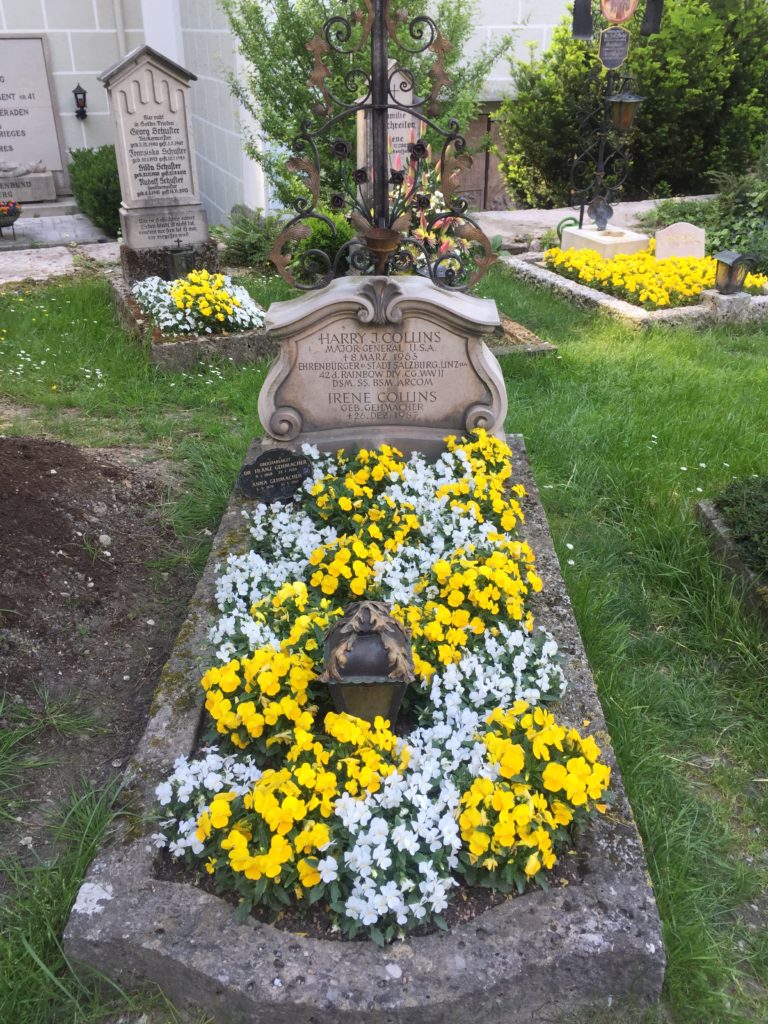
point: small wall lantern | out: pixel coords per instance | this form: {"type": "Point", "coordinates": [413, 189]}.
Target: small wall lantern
{"type": "Point", "coordinates": [624, 106]}
{"type": "Point", "coordinates": [80, 110]}
{"type": "Point", "coordinates": [368, 662]}
{"type": "Point", "coordinates": [731, 271]}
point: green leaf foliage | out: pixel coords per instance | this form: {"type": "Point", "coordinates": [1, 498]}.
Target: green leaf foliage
{"type": "Point", "coordinates": [705, 82]}
{"type": "Point", "coordinates": [95, 186]}
{"type": "Point", "coordinates": [273, 36]}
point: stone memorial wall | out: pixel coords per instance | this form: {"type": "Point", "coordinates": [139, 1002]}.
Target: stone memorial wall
{"type": "Point", "coordinates": [29, 140]}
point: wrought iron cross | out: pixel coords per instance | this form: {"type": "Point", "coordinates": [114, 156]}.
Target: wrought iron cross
{"type": "Point", "coordinates": [381, 200]}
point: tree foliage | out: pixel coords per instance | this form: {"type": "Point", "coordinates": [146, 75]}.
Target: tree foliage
{"type": "Point", "coordinates": [273, 36]}
{"type": "Point", "coordinates": [705, 82]}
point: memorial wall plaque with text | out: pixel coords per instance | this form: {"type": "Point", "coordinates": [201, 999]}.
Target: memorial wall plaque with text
{"type": "Point", "coordinates": [369, 360]}
{"type": "Point", "coordinates": [28, 135]}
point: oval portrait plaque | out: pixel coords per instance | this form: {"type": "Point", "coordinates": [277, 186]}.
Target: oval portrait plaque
{"type": "Point", "coordinates": [617, 11]}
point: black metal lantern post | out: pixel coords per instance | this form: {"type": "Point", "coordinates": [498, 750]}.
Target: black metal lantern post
{"type": "Point", "coordinates": [380, 198]}
{"type": "Point", "coordinates": [80, 94]}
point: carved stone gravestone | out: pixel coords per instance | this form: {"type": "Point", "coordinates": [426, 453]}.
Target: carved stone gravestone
{"type": "Point", "coordinates": [370, 361]}
{"type": "Point", "coordinates": [30, 150]}
{"type": "Point", "coordinates": [680, 239]}
{"type": "Point", "coordinates": [161, 213]}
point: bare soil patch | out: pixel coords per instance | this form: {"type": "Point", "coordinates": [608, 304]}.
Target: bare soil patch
{"type": "Point", "coordinates": [87, 616]}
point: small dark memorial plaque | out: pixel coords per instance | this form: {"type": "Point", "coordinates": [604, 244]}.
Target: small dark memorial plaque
{"type": "Point", "coordinates": [614, 47]}
{"type": "Point", "coordinates": [274, 476]}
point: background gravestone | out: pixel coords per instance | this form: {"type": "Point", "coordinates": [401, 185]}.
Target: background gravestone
{"type": "Point", "coordinates": [403, 128]}
{"type": "Point", "coordinates": [161, 212]}
{"type": "Point", "coordinates": [29, 141]}
{"type": "Point", "coordinates": [680, 239]}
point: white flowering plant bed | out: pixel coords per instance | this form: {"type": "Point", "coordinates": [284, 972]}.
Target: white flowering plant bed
{"type": "Point", "coordinates": [202, 303]}
{"type": "Point", "coordinates": [291, 803]}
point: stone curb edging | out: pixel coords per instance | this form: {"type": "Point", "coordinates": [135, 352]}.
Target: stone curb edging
{"type": "Point", "coordinates": [725, 548]}
{"type": "Point", "coordinates": [714, 308]}
{"type": "Point", "coordinates": [188, 352]}
{"type": "Point", "coordinates": [589, 944]}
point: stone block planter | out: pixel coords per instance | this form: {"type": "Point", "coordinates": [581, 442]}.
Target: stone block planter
{"type": "Point", "coordinates": [596, 942]}
{"type": "Point", "coordinates": [189, 351]}
{"type": "Point", "coordinates": [727, 552]}
{"type": "Point", "coordinates": [714, 308]}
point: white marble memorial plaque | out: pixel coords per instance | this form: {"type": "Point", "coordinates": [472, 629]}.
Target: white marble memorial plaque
{"type": "Point", "coordinates": [28, 134]}
{"type": "Point", "coordinates": [381, 359]}
{"type": "Point", "coordinates": [680, 239]}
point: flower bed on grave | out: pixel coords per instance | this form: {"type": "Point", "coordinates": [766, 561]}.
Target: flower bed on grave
{"type": "Point", "coordinates": [642, 279]}
{"type": "Point", "coordinates": [295, 804]}
{"type": "Point", "coordinates": [198, 304]}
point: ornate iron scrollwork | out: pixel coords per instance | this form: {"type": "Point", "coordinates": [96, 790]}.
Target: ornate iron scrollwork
{"type": "Point", "coordinates": [384, 198]}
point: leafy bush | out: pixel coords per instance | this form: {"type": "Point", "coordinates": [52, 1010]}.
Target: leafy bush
{"type": "Point", "coordinates": [744, 507]}
{"type": "Point", "coordinates": [248, 237]}
{"type": "Point", "coordinates": [705, 82]}
{"type": "Point", "coordinates": [324, 239]}
{"type": "Point", "coordinates": [95, 186]}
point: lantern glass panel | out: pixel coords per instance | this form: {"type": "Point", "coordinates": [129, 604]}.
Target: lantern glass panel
{"type": "Point", "coordinates": [722, 275]}
{"type": "Point", "coordinates": [367, 700]}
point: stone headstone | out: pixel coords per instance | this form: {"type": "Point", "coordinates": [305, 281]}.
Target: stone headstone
{"type": "Point", "coordinates": [29, 141]}
{"type": "Point", "coordinates": [274, 476]}
{"type": "Point", "coordinates": [680, 239]}
{"type": "Point", "coordinates": [378, 360]}
{"type": "Point", "coordinates": [403, 128]}
{"type": "Point", "coordinates": [161, 207]}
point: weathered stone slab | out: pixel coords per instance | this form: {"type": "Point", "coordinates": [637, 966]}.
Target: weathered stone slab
{"type": "Point", "coordinates": [28, 188]}
{"type": "Point", "coordinates": [680, 239]}
{"type": "Point", "coordinates": [592, 944]}
{"type": "Point", "coordinates": [607, 243]}
{"type": "Point", "coordinates": [372, 360]}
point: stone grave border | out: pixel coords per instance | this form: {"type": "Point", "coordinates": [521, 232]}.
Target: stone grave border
{"type": "Point", "coordinates": [727, 552]}
{"type": "Point", "coordinates": [595, 943]}
{"type": "Point", "coordinates": [713, 309]}
{"type": "Point", "coordinates": [188, 351]}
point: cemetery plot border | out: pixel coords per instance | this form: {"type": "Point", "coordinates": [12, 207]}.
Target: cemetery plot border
{"type": "Point", "coordinates": [714, 307]}
{"type": "Point", "coordinates": [727, 552]}
{"type": "Point", "coordinates": [585, 945]}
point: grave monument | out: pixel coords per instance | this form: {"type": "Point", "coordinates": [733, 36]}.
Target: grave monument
{"type": "Point", "coordinates": [164, 224]}
{"type": "Point", "coordinates": [680, 239]}
{"type": "Point", "coordinates": [392, 352]}
{"type": "Point", "coordinates": [30, 147]}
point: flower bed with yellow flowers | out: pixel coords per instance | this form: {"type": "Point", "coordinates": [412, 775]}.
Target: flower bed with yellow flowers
{"type": "Point", "coordinates": [200, 303]}
{"type": "Point", "coordinates": [292, 803]}
{"type": "Point", "coordinates": [642, 279]}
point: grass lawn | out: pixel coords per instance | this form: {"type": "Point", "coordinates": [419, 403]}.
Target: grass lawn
{"type": "Point", "coordinates": [625, 430]}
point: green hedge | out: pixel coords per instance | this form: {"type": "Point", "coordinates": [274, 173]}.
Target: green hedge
{"type": "Point", "coordinates": [95, 186]}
